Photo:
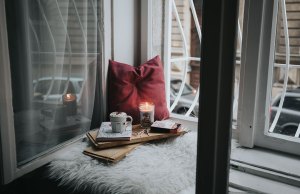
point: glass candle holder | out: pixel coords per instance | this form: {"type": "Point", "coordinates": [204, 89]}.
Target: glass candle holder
{"type": "Point", "coordinates": [69, 100]}
{"type": "Point", "coordinates": [146, 114]}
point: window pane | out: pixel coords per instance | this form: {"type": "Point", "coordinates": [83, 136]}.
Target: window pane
{"type": "Point", "coordinates": [185, 56]}
{"type": "Point", "coordinates": [286, 73]}
{"type": "Point", "coordinates": [53, 52]}
{"type": "Point", "coordinates": [186, 24]}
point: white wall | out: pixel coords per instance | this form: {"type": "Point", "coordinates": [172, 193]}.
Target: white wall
{"type": "Point", "coordinates": [158, 16]}
{"type": "Point", "coordinates": [126, 31]}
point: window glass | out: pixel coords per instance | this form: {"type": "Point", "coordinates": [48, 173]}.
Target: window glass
{"type": "Point", "coordinates": [285, 118]}
{"type": "Point", "coordinates": [175, 86]}
{"type": "Point", "coordinates": [53, 48]}
{"type": "Point", "coordinates": [292, 103]}
{"type": "Point", "coordinates": [185, 56]}
{"type": "Point", "coordinates": [186, 23]}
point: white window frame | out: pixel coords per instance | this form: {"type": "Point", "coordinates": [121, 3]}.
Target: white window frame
{"type": "Point", "coordinates": [256, 77]}
{"type": "Point", "coordinates": [10, 170]}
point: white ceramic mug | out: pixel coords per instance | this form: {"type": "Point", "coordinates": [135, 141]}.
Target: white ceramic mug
{"type": "Point", "coordinates": [119, 121]}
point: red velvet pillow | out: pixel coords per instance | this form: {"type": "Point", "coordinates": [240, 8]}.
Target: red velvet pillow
{"type": "Point", "coordinates": [128, 86]}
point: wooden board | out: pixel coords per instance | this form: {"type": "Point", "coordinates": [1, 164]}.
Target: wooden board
{"type": "Point", "coordinates": [112, 154]}
{"type": "Point", "coordinates": [142, 137]}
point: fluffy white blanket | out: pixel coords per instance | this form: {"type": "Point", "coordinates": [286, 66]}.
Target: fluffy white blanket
{"type": "Point", "coordinates": [167, 167]}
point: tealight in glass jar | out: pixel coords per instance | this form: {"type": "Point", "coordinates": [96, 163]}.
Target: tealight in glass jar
{"type": "Point", "coordinates": [146, 114]}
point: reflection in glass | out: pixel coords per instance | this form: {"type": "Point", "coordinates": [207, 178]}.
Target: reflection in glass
{"type": "Point", "coordinates": [53, 52]}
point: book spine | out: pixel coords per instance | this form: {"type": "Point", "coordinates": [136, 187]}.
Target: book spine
{"type": "Point", "coordinates": [163, 130]}
{"type": "Point", "coordinates": [175, 129]}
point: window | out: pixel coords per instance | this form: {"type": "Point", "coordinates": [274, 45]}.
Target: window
{"type": "Point", "coordinates": [183, 60]}
{"type": "Point", "coordinates": [175, 87]}
{"type": "Point", "coordinates": [292, 102]}
{"type": "Point", "coordinates": [269, 106]}
{"type": "Point", "coordinates": [53, 42]}
{"type": "Point", "coordinates": [50, 56]}
{"type": "Point", "coordinates": [183, 52]}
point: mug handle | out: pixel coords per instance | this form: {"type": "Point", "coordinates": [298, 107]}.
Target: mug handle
{"type": "Point", "coordinates": [130, 118]}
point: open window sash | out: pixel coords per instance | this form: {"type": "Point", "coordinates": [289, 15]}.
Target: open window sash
{"type": "Point", "coordinates": [259, 34]}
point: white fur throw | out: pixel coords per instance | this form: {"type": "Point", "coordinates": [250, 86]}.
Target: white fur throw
{"type": "Point", "coordinates": [165, 167]}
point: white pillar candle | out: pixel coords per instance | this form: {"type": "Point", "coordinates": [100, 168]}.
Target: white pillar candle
{"type": "Point", "coordinates": [146, 113]}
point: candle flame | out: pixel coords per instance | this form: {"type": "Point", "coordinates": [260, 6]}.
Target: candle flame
{"type": "Point", "coordinates": [146, 106]}
{"type": "Point", "coordinates": [68, 96]}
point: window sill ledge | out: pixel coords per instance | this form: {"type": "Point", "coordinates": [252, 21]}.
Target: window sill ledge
{"type": "Point", "coordinates": [262, 167]}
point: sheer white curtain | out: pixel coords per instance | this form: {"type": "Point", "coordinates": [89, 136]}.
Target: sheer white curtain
{"type": "Point", "coordinates": [54, 51]}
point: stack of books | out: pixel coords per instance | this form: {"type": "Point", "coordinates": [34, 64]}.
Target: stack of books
{"type": "Point", "coordinates": [112, 147]}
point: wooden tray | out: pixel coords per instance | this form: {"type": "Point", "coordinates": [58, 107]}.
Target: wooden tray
{"type": "Point", "coordinates": [141, 137]}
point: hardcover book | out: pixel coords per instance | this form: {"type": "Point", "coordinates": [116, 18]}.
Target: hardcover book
{"type": "Point", "coordinates": [165, 126]}
{"type": "Point", "coordinates": [105, 133]}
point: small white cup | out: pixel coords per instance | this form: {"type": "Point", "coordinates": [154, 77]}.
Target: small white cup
{"type": "Point", "coordinates": [119, 121]}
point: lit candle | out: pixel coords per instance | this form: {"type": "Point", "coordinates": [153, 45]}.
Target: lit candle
{"type": "Point", "coordinates": [146, 113]}
{"type": "Point", "coordinates": [69, 100]}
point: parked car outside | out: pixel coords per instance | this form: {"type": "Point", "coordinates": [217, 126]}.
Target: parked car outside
{"type": "Point", "coordinates": [42, 86]}
{"type": "Point", "coordinates": [289, 118]}
{"type": "Point", "coordinates": [186, 99]}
